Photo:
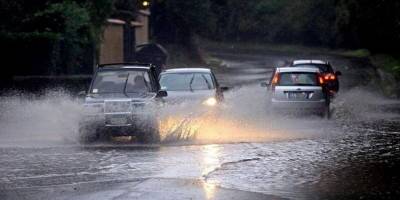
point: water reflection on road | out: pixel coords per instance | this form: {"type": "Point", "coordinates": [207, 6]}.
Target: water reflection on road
{"type": "Point", "coordinates": [244, 148]}
{"type": "Point", "coordinates": [354, 155]}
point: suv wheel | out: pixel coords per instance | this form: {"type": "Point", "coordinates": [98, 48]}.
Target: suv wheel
{"type": "Point", "coordinates": [150, 135]}
{"type": "Point", "coordinates": [87, 133]}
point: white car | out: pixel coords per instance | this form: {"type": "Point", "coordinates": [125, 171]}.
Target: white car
{"type": "Point", "coordinates": [192, 85]}
{"type": "Point", "coordinates": [299, 89]}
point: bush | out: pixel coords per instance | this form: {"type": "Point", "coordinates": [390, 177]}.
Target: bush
{"type": "Point", "coordinates": [52, 36]}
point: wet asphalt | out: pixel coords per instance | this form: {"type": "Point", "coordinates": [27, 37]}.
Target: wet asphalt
{"type": "Point", "coordinates": [244, 153]}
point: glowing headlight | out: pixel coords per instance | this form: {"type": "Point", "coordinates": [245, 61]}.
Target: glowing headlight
{"type": "Point", "coordinates": [140, 107]}
{"type": "Point", "coordinates": [210, 102]}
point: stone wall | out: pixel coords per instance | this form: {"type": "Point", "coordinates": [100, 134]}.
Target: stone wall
{"type": "Point", "coordinates": [112, 46]}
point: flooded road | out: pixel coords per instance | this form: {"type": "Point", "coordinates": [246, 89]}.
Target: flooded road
{"type": "Point", "coordinates": [244, 152]}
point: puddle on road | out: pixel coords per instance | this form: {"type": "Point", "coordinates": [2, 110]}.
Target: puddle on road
{"type": "Point", "coordinates": [308, 147]}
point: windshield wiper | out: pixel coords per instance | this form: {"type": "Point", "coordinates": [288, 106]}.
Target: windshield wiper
{"type": "Point", "coordinates": [126, 83]}
{"type": "Point", "coordinates": [205, 79]}
{"type": "Point", "coordinates": [190, 84]}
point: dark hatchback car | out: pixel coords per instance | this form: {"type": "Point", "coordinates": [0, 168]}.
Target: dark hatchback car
{"type": "Point", "coordinates": [122, 100]}
{"type": "Point", "coordinates": [331, 77]}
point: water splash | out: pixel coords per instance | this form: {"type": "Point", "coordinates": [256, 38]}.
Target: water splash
{"type": "Point", "coordinates": [53, 118]}
{"type": "Point", "coordinates": [245, 116]}
{"type": "Point", "coordinates": [27, 119]}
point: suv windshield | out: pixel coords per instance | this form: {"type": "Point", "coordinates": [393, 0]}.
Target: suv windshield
{"type": "Point", "coordinates": [186, 81]}
{"type": "Point", "coordinates": [323, 68]}
{"type": "Point", "coordinates": [297, 79]}
{"type": "Point", "coordinates": [121, 81]}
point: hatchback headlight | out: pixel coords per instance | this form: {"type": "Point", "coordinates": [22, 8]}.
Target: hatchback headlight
{"type": "Point", "coordinates": [210, 101]}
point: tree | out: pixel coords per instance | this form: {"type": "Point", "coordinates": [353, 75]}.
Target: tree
{"type": "Point", "coordinates": [177, 21]}
{"type": "Point", "coordinates": [54, 36]}
{"type": "Point", "coordinates": [369, 24]}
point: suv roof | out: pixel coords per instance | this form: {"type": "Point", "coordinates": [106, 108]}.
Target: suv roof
{"type": "Point", "coordinates": [126, 66]}
{"type": "Point", "coordinates": [187, 70]}
{"type": "Point", "coordinates": [297, 69]}
{"type": "Point", "coordinates": [300, 62]}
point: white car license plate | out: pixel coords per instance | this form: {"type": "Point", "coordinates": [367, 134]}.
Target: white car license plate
{"type": "Point", "coordinates": [297, 95]}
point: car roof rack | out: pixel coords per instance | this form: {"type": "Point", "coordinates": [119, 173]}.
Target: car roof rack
{"type": "Point", "coordinates": [310, 61]}
{"type": "Point", "coordinates": [126, 63]}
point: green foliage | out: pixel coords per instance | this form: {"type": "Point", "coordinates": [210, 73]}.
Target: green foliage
{"type": "Point", "coordinates": [67, 18]}
{"type": "Point", "coordinates": [65, 32]}
{"type": "Point", "coordinates": [390, 75]}
{"type": "Point", "coordinates": [125, 9]}
{"type": "Point", "coordinates": [354, 24]}
{"type": "Point", "coordinates": [389, 63]}
{"type": "Point", "coordinates": [368, 24]}
{"type": "Point", "coordinates": [73, 23]}
{"type": "Point", "coordinates": [359, 53]}
{"type": "Point", "coordinates": [74, 27]}
{"type": "Point", "coordinates": [30, 36]}
{"type": "Point", "coordinates": [306, 21]}
{"type": "Point", "coordinates": [176, 20]}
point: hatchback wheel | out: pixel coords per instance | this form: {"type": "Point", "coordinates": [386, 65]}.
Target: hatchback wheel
{"type": "Point", "coordinates": [151, 134]}
{"type": "Point", "coordinates": [326, 113]}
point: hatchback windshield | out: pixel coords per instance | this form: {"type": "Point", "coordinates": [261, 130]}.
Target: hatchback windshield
{"type": "Point", "coordinates": [186, 81]}
{"type": "Point", "coordinates": [321, 67]}
{"type": "Point", "coordinates": [297, 79]}
{"type": "Point", "coordinates": [121, 81]}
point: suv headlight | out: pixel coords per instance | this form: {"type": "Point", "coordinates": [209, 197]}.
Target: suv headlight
{"type": "Point", "coordinates": [93, 108]}
{"type": "Point", "coordinates": [210, 101]}
{"type": "Point", "coordinates": [140, 107]}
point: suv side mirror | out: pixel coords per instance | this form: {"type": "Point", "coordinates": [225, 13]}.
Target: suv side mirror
{"type": "Point", "coordinates": [82, 94]}
{"type": "Point", "coordinates": [338, 73]}
{"type": "Point", "coordinates": [264, 84]}
{"type": "Point", "coordinates": [162, 93]}
{"type": "Point", "coordinates": [224, 88]}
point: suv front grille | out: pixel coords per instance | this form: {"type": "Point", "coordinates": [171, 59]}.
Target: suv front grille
{"type": "Point", "coordinates": [117, 106]}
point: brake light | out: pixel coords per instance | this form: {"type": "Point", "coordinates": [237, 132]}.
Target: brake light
{"type": "Point", "coordinates": [275, 80]}
{"type": "Point", "coordinates": [321, 80]}
{"type": "Point", "coordinates": [330, 77]}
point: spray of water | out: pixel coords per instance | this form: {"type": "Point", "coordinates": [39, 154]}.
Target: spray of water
{"type": "Point", "coordinates": [245, 116]}
{"type": "Point", "coordinates": [27, 119]}
{"type": "Point", "coordinates": [360, 103]}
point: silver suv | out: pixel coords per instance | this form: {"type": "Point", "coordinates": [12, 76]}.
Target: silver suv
{"type": "Point", "coordinates": [122, 100]}
{"type": "Point", "coordinates": [299, 88]}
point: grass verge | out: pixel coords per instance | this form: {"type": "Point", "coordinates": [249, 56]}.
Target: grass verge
{"type": "Point", "coordinates": [388, 67]}
{"type": "Point", "coordinates": [251, 47]}
{"type": "Point", "coordinates": [390, 64]}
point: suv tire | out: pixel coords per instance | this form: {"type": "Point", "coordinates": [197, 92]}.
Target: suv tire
{"type": "Point", "coordinates": [87, 134]}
